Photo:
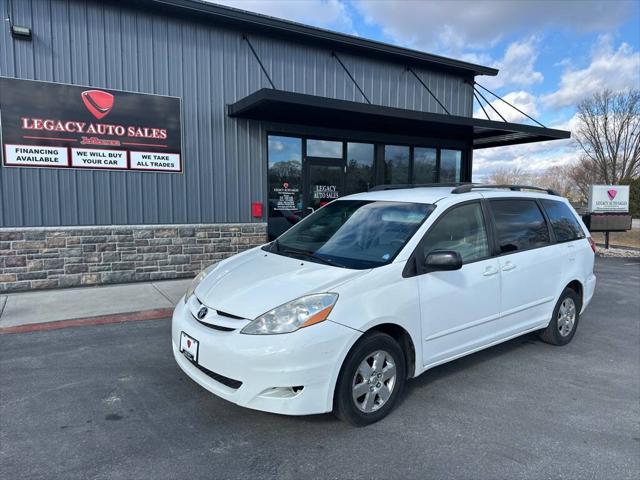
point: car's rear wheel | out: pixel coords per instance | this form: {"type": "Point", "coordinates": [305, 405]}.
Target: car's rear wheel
{"type": "Point", "coordinates": [564, 322]}
{"type": "Point", "coordinates": [371, 380]}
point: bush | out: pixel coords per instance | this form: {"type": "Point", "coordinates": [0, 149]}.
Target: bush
{"type": "Point", "coordinates": [634, 195]}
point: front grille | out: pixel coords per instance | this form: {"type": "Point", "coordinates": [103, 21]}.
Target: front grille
{"type": "Point", "coordinates": [229, 382]}
{"type": "Point", "coordinates": [215, 327]}
{"type": "Point", "coordinates": [225, 314]}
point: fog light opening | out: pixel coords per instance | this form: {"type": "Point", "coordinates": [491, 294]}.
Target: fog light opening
{"type": "Point", "coordinates": [282, 392]}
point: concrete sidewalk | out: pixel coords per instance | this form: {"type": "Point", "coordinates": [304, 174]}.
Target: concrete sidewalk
{"type": "Point", "coordinates": [111, 302]}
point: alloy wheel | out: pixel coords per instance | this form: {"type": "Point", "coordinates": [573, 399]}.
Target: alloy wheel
{"type": "Point", "coordinates": [566, 316]}
{"type": "Point", "coordinates": [374, 381]}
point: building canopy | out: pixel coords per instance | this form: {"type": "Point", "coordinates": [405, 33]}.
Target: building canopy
{"type": "Point", "coordinates": [302, 109]}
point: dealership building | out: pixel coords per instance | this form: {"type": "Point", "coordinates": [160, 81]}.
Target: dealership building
{"type": "Point", "coordinates": [144, 140]}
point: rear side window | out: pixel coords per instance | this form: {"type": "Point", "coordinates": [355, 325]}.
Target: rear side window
{"type": "Point", "coordinates": [519, 225]}
{"type": "Point", "coordinates": [461, 229]}
{"type": "Point", "coordinates": [564, 223]}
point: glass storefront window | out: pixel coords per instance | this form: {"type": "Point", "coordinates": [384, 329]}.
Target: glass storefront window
{"type": "Point", "coordinates": [285, 183]}
{"type": "Point", "coordinates": [324, 148]}
{"type": "Point", "coordinates": [360, 171]}
{"type": "Point", "coordinates": [396, 164]}
{"type": "Point", "coordinates": [450, 165]}
{"type": "Point", "coordinates": [424, 165]}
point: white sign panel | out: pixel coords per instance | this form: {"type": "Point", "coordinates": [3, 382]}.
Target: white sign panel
{"type": "Point", "coordinates": [609, 198]}
{"type": "Point", "coordinates": [96, 158]}
{"type": "Point", "coordinates": [155, 161]}
{"type": "Point", "coordinates": [35, 156]}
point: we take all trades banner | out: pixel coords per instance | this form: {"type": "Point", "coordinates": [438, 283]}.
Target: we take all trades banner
{"type": "Point", "coordinates": [54, 125]}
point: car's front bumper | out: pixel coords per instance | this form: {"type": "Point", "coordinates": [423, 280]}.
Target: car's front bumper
{"type": "Point", "coordinates": [267, 365]}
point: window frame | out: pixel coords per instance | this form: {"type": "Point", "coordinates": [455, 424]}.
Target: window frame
{"type": "Point", "coordinates": [414, 267]}
{"type": "Point", "coordinates": [537, 203]}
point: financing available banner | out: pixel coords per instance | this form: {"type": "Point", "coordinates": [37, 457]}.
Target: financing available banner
{"type": "Point", "coordinates": [54, 125]}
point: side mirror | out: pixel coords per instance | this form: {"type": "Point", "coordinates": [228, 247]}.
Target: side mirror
{"type": "Point", "coordinates": [442, 260]}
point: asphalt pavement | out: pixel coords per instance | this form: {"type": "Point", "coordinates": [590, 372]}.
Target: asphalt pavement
{"type": "Point", "coordinates": [108, 402]}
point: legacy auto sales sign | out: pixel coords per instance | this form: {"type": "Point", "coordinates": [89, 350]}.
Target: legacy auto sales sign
{"type": "Point", "coordinates": [65, 126]}
{"type": "Point", "coordinates": [609, 198]}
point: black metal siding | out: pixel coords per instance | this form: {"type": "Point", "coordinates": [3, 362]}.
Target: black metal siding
{"type": "Point", "coordinates": [209, 66]}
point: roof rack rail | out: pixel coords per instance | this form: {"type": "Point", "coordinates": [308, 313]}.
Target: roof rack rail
{"type": "Point", "coordinates": [471, 186]}
{"type": "Point", "coordinates": [398, 186]}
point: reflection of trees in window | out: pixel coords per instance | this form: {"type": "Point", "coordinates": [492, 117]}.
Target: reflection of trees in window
{"type": "Point", "coordinates": [359, 167]}
{"type": "Point", "coordinates": [424, 165]}
{"type": "Point", "coordinates": [285, 171]}
{"type": "Point", "coordinates": [450, 163]}
{"type": "Point", "coordinates": [564, 223]}
{"type": "Point", "coordinates": [359, 177]}
{"type": "Point", "coordinates": [396, 163]}
{"type": "Point", "coordinates": [520, 225]}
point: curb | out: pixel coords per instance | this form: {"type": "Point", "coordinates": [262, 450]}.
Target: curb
{"type": "Point", "coordinates": [621, 247]}
{"type": "Point", "coordinates": [155, 314]}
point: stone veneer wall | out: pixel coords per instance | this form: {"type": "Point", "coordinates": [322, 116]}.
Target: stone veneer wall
{"type": "Point", "coordinates": [53, 257]}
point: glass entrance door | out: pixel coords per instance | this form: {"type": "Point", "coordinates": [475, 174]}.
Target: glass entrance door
{"type": "Point", "coordinates": [323, 182]}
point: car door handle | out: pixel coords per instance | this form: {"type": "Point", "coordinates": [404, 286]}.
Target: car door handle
{"type": "Point", "coordinates": [508, 266]}
{"type": "Point", "coordinates": [489, 271]}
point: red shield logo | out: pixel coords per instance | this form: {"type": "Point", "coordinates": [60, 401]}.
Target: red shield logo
{"type": "Point", "coordinates": [612, 193]}
{"type": "Point", "coordinates": [99, 103]}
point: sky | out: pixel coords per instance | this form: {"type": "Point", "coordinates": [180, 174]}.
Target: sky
{"type": "Point", "coordinates": [551, 54]}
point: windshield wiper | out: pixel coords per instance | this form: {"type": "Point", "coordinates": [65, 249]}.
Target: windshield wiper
{"type": "Point", "coordinates": [310, 255]}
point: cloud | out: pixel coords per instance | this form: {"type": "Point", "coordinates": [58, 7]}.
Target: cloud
{"type": "Point", "coordinates": [609, 68]}
{"type": "Point", "coordinates": [517, 66]}
{"type": "Point", "coordinates": [456, 26]}
{"type": "Point", "coordinates": [521, 99]}
{"type": "Point", "coordinates": [330, 14]}
{"type": "Point", "coordinates": [532, 157]}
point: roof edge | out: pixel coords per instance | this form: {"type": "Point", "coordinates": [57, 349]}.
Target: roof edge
{"type": "Point", "coordinates": [259, 21]}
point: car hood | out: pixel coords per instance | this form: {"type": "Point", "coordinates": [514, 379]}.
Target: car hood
{"type": "Point", "coordinates": [254, 282]}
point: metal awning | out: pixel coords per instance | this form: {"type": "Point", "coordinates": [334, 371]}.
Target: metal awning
{"type": "Point", "coordinates": [301, 109]}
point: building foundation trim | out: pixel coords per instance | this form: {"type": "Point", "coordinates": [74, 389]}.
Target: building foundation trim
{"type": "Point", "coordinates": [34, 258]}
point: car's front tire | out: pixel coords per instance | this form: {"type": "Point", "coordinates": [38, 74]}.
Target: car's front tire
{"type": "Point", "coordinates": [371, 380]}
{"type": "Point", "coordinates": [564, 321]}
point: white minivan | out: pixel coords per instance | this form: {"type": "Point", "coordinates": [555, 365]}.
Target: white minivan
{"type": "Point", "coordinates": [378, 287]}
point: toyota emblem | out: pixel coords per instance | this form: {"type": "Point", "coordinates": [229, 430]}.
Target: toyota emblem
{"type": "Point", "coordinates": [202, 313]}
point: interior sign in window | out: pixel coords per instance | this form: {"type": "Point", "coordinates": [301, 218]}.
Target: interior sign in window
{"type": "Point", "coordinates": [53, 125]}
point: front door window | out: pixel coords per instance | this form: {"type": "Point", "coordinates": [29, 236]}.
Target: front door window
{"type": "Point", "coordinates": [324, 182]}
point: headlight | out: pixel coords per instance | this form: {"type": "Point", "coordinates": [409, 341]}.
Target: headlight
{"type": "Point", "coordinates": [291, 316]}
{"type": "Point", "coordinates": [196, 281]}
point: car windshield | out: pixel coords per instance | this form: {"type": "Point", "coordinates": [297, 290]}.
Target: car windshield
{"type": "Point", "coordinates": [353, 233]}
